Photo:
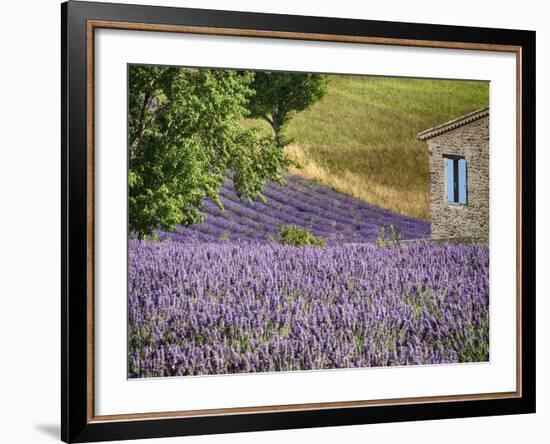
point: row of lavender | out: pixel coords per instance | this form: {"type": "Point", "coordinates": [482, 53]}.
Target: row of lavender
{"type": "Point", "coordinates": [253, 307]}
{"type": "Point", "coordinates": [333, 216]}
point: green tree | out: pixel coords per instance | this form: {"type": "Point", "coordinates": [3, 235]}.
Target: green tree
{"type": "Point", "coordinates": [185, 138]}
{"type": "Point", "coordinates": [279, 95]}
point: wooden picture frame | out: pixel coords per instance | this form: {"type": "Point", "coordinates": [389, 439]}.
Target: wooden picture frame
{"type": "Point", "coordinates": [79, 22]}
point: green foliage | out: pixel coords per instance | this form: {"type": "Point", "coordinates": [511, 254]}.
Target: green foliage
{"type": "Point", "coordinates": [184, 137]}
{"type": "Point", "coordinates": [279, 95]}
{"type": "Point", "coordinates": [389, 237]}
{"type": "Point", "coordinates": [300, 237]}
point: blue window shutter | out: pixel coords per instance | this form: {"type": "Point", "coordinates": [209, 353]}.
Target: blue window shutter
{"type": "Point", "coordinates": [462, 182]}
{"type": "Point", "coordinates": [450, 180]}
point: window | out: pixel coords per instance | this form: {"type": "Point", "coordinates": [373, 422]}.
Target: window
{"type": "Point", "coordinates": [457, 179]}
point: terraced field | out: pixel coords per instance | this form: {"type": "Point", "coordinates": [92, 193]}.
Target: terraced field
{"type": "Point", "coordinates": [333, 216]}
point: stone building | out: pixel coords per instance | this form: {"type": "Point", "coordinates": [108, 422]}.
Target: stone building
{"type": "Point", "coordinates": [459, 176]}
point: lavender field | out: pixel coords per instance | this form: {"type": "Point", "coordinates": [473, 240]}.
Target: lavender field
{"type": "Point", "coordinates": [204, 307]}
{"type": "Point", "coordinates": [332, 216]}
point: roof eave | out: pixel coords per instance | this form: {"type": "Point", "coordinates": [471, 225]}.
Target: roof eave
{"type": "Point", "coordinates": [453, 124]}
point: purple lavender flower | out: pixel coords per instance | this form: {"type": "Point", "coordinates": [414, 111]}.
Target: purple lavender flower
{"type": "Point", "coordinates": [200, 305]}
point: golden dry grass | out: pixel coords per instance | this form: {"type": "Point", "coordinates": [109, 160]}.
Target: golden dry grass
{"type": "Point", "coordinates": [413, 201]}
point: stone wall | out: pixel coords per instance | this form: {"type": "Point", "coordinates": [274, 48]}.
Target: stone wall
{"type": "Point", "coordinates": [454, 220]}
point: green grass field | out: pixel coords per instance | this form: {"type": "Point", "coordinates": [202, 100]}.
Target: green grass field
{"type": "Point", "coordinates": [361, 137]}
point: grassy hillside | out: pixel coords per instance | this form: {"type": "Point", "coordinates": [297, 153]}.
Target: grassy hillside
{"type": "Point", "coordinates": [360, 138]}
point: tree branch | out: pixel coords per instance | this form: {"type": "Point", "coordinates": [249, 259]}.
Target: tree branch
{"type": "Point", "coordinates": [268, 120]}
{"type": "Point", "coordinates": [276, 128]}
{"type": "Point", "coordinates": [141, 126]}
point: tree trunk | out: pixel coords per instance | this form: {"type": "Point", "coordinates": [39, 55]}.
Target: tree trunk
{"type": "Point", "coordinates": [277, 128]}
{"type": "Point", "coordinates": [278, 136]}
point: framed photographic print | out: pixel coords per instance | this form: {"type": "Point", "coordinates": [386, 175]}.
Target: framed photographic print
{"type": "Point", "coordinates": [276, 221]}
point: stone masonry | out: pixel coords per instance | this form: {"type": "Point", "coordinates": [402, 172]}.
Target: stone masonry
{"type": "Point", "coordinates": [467, 136]}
